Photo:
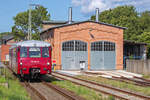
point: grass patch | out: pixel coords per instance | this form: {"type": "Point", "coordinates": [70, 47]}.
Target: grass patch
{"type": "Point", "coordinates": [122, 85]}
{"type": "Point", "coordinates": [2, 79]}
{"type": "Point", "coordinates": [15, 90]}
{"type": "Point", "coordinates": [146, 76]}
{"type": "Point", "coordinates": [84, 92]}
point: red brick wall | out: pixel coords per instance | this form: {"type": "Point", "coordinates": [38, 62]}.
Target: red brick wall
{"type": "Point", "coordinates": [4, 51]}
{"type": "Point", "coordinates": [81, 32]}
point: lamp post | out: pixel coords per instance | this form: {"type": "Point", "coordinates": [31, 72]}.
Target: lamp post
{"type": "Point", "coordinates": [30, 20]}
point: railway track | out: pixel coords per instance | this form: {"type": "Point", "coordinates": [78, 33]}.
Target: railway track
{"type": "Point", "coordinates": [135, 80]}
{"type": "Point", "coordinates": [29, 87]}
{"type": "Point", "coordinates": [118, 93]}
{"type": "Point", "coordinates": [34, 90]}
{"type": "Point", "coordinates": [69, 95]}
{"type": "Point", "coordinates": [47, 91]}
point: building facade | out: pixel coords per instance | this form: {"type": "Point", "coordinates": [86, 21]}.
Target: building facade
{"type": "Point", "coordinates": [7, 42]}
{"type": "Point", "coordinates": [88, 45]}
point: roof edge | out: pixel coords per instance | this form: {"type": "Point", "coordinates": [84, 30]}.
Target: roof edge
{"type": "Point", "coordinates": [82, 22]}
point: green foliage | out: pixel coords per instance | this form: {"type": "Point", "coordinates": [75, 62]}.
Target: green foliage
{"type": "Point", "coordinates": [145, 37]}
{"type": "Point", "coordinates": [145, 21]}
{"type": "Point", "coordinates": [15, 90]}
{"type": "Point", "coordinates": [2, 79]}
{"type": "Point", "coordinates": [111, 98]}
{"type": "Point", "coordinates": [125, 16]}
{"type": "Point", "coordinates": [138, 25]}
{"type": "Point", "coordinates": [20, 29]}
{"type": "Point", "coordinates": [3, 34]}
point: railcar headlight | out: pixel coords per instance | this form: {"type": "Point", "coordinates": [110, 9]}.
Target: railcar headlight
{"type": "Point", "coordinates": [48, 63]}
{"type": "Point", "coordinates": [20, 63]}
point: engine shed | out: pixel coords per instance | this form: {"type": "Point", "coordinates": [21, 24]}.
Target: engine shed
{"type": "Point", "coordinates": [91, 45]}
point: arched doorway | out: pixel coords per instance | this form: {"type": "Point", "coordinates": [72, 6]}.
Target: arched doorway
{"type": "Point", "coordinates": [73, 53]}
{"type": "Point", "coordinates": [103, 55]}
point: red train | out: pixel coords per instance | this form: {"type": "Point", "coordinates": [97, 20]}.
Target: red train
{"type": "Point", "coordinates": [30, 59]}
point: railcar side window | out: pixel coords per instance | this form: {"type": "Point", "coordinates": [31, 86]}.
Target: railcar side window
{"type": "Point", "coordinates": [23, 52]}
{"type": "Point", "coordinates": [45, 52]}
{"type": "Point", "coordinates": [34, 52]}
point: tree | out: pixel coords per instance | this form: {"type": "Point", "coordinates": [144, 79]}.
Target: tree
{"type": "Point", "coordinates": [145, 37]}
{"type": "Point", "coordinates": [3, 34]}
{"type": "Point", "coordinates": [20, 29]}
{"type": "Point", "coordinates": [145, 21]}
{"type": "Point", "coordinates": [125, 16]}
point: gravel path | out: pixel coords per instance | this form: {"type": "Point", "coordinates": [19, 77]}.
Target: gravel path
{"type": "Point", "coordinates": [49, 93]}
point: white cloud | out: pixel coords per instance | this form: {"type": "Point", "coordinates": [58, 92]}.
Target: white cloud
{"type": "Point", "coordinates": [89, 6]}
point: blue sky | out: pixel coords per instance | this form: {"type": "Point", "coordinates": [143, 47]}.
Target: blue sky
{"type": "Point", "coordinates": [82, 9]}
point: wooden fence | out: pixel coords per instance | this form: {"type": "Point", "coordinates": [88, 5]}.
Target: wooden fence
{"type": "Point", "coordinates": [138, 66]}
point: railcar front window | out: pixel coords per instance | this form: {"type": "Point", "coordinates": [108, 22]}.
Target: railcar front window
{"type": "Point", "coordinates": [23, 52]}
{"type": "Point", "coordinates": [45, 52]}
{"type": "Point", "coordinates": [34, 52]}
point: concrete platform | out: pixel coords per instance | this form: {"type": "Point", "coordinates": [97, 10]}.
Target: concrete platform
{"type": "Point", "coordinates": [105, 74]}
{"type": "Point", "coordinates": [129, 73]}
{"type": "Point", "coordinates": [71, 73]}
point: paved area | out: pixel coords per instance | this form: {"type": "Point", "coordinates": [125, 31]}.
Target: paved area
{"type": "Point", "coordinates": [117, 73]}
{"type": "Point", "coordinates": [106, 74]}
{"type": "Point", "coordinates": [72, 73]}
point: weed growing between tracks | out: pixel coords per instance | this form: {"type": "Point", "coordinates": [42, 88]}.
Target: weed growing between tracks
{"type": "Point", "coordinates": [122, 85]}
{"type": "Point", "coordinates": [14, 91]}
{"type": "Point", "coordinates": [146, 76]}
{"type": "Point", "coordinates": [84, 92]}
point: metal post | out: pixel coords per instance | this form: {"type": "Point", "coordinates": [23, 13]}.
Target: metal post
{"type": "Point", "coordinates": [74, 54]}
{"type": "Point", "coordinates": [30, 20]}
{"type": "Point", "coordinates": [29, 23]}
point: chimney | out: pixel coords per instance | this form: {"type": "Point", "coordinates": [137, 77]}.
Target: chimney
{"type": "Point", "coordinates": [70, 15]}
{"type": "Point", "coordinates": [97, 14]}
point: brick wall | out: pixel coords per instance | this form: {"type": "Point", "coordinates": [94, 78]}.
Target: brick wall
{"type": "Point", "coordinates": [4, 51]}
{"type": "Point", "coordinates": [82, 32]}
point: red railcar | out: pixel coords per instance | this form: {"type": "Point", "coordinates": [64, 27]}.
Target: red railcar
{"type": "Point", "coordinates": [30, 59]}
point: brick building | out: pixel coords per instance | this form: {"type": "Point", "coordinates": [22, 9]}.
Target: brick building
{"type": "Point", "coordinates": [7, 41]}
{"type": "Point", "coordinates": [92, 45]}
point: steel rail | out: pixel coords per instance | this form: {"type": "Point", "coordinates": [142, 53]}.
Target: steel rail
{"type": "Point", "coordinates": [63, 92]}
{"type": "Point", "coordinates": [143, 79]}
{"type": "Point", "coordinates": [143, 82]}
{"type": "Point", "coordinates": [35, 91]}
{"type": "Point", "coordinates": [106, 86]}
{"type": "Point", "coordinates": [122, 98]}
{"type": "Point", "coordinates": [30, 87]}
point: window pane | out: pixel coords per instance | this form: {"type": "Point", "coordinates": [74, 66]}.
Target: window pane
{"type": "Point", "coordinates": [96, 46]}
{"type": "Point", "coordinates": [34, 52]}
{"type": "Point", "coordinates": [45, 52]}
{"type": "Point", "coordinates": [23, 52]}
